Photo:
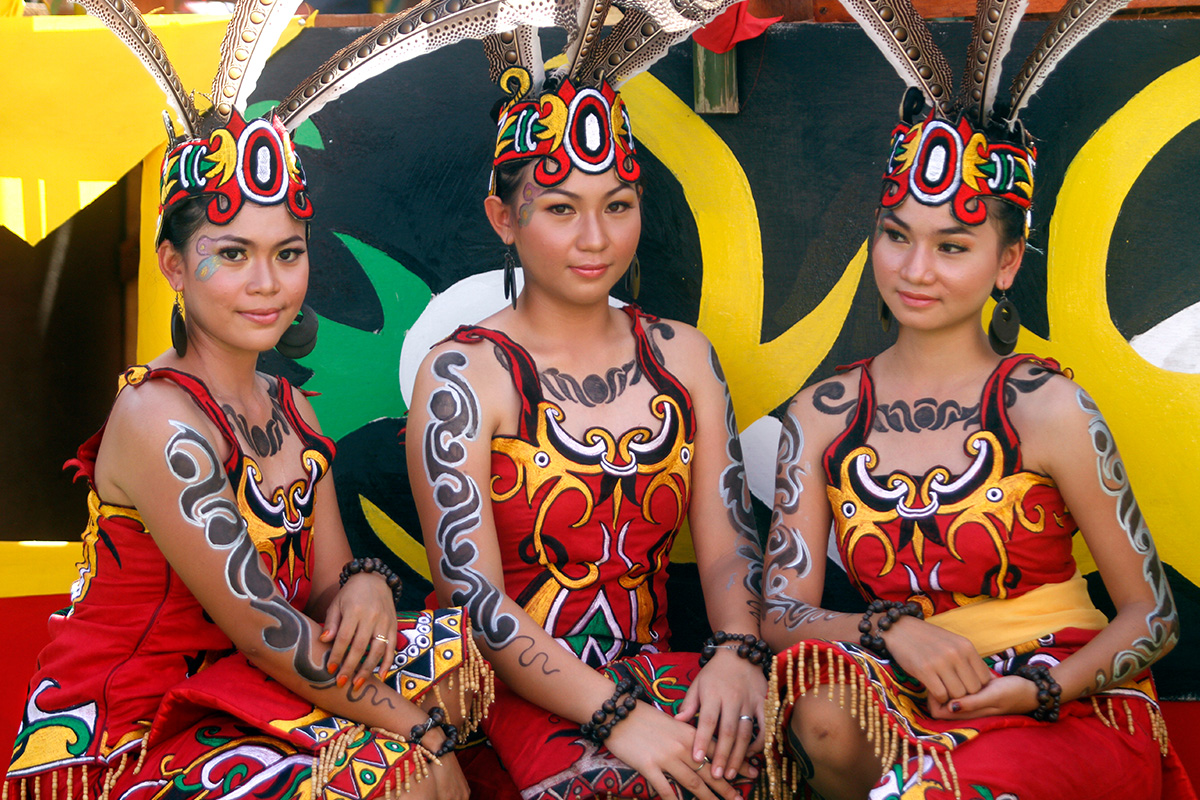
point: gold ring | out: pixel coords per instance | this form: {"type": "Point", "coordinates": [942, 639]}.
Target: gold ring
{"type": "Point", "coordinates": [381, 638]}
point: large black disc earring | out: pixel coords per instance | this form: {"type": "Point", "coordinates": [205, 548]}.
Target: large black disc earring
{"type": "Point", "coordinates": [510, 275]}
{"type": "Point", "coordinates": [1005, 326]}
{"type": "Point", "coordinates": [178, 328]}
{"type": "Point", "coordinates": [633, 277]}
{"type": "Point", "coordinates": [885, 314]}
{"type": "Point", "coordinates": [301, 336]}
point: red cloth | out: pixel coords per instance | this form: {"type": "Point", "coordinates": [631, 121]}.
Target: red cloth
{"type": "Point", "coordinates": [735, 24]}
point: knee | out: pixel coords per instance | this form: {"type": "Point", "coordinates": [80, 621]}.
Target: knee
{"type": "Point", "coordinates": [829, 735]}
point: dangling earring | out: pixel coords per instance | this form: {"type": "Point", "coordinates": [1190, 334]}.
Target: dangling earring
{"type": "Point", "coordinates": [1005, 325]}
{"type": "Point", "coordinates": [510, 275]}
{"type": "Point", "coordinates": [301, 336]}
{"type": "Point", "coordinates": [178, 328]}
{"type": "Point", "coordinates": [633, 277]}
{"type": "Point", "coordinates": [885, 314]}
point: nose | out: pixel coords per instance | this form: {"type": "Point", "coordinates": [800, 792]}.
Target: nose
{"type": "Point", "coordinates": [917, 266]}
{"type": "Point", "coordinates": [593, 232]}
{"type": "Point", "coordinates": [263, 277]}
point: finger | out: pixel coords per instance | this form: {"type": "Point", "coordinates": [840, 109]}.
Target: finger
{"type": "Point", "coordinates": [727, 732]}
{"type": "Point", "coordinates": [697, 781]}
{"type": "Point", "coordinates": [356, 644]}
{"type": "Point", "coordinates": [718, 786]}
{"type": "Point", "coordinates": [658, 781]}
{"type": "Point", "coordinates": [706, 726]}
{"type": "Point", "coordinates": [690, 705]}
{"type": "Point", "coordinates": [760, 740]}
{"type": "Point", "coordinates": [371, 659]}
{"type": "Point", "coordinates": [332, 618]}
{"type": "Point", "coordinates": [737, 756]}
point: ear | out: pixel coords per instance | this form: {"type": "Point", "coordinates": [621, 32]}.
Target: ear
{"type": "Point", "coordinates": [171, 265]}
{"type": "Point", "coordinates": [1010, 263]}
{"type": "Point", "coordinates": [502, 218]}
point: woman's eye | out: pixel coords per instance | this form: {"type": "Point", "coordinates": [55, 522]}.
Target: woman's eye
{"type": "Point", "coordinates": [618, 206]}
{"type": "Point", "coordinates": [560, 208]}
{"type": "Point", "coordinates": [953, 247]}
{"type": "Point", "coordinates": [291, 254]}
{"type": "Point", "coordinates": [893, 234]}
{"type": "Point", "coordinates": [232, 254]}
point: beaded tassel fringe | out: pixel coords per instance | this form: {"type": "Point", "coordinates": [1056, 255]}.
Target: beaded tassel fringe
{"type": "Point", "coordinates": [794, 671]}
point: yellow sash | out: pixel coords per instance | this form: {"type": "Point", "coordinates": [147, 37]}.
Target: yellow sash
{"type": "Point", "coordinates": [994, 625]}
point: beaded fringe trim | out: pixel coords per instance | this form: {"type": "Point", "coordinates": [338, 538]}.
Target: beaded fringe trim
{"type": "Point", "coordinates": [474, 677]}
{"type": "Point", "coordinates": [803, 665]}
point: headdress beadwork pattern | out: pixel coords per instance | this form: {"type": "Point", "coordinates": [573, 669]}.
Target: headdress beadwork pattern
{"type": "Point", "coordinates": [966, 148]}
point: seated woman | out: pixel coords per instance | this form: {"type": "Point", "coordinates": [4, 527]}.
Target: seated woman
{"type": "Point", "coordinates": [980, 669]}
{"type": "Point", "coordinates": [557, 448]}
{"type": "Point", "coordinates": [216, 646]}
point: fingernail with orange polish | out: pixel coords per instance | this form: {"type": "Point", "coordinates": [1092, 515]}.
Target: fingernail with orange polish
{"type": "Point", "coordinates": [341, 680]}
{"type": "Point", "coordinates": [358, 684]}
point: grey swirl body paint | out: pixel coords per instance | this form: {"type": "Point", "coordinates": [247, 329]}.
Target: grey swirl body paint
{"type": "Point", "coordinates": [454, 419]}
{"type": "Point", "coordinates": [735, 495]}
{"type": "Point", "coordinates": [788, 557]}
{"type": "Point", "coordinates": [1162, 623]}
{"type": "Point", "coordinates": [192, 460]}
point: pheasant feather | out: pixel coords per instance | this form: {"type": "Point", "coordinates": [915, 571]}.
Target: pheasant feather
{"type": "Point", "coordinates": [123, 19]}
{"type": "Point", "coordinates": [903, 37]}
{"type": "Point", "coordinates": [252, 33]}
{"type": "Point", "coordinates": [991, 38]}
{"type": "Point", "coordinates": [1077, 19]}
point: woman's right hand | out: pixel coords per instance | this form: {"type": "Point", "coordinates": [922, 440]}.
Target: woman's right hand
{"type": "Point", "coordinates": [659, 746]}
{"type": "Point", "coordinates": [448, 779]}
{"type": "Point", "coordinates": [944, 662]}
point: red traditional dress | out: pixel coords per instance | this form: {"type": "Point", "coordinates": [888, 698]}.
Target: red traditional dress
{"type": "Point", "coordinates": [585, 528]}
{"type": "Point", "coordinates": [140, 695]}
{"type": "Point", "coordinates": [986, 554]}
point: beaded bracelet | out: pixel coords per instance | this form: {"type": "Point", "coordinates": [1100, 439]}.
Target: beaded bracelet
{"type": "Point", "coordinates": [892, 611]}
{"type": "Point", "coordinates": [749, 647]}
{"type": "Point", "coordinates": [437, 719]}
{"type": "Point", "coordinates": [376, 565]}
{"type": "Point", "coordinates": [1049, 693]}
{"type": "Point", "coordinates": [597, 729]}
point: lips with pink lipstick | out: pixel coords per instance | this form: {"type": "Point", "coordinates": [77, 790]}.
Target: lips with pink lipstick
{"type": "Point", "coordinates": [916, 299]}
{"type": "Point", "coordinates": [262, 316]}
{"type": "Point", "coordinates": [589, 270]}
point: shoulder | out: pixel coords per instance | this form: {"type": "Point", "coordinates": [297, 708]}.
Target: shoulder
{"type": "Point", "coordinates": [822, 411]}
{"type": "Point", "coordinates": [299, 400]}
{"type": "Point", "coordinates": [683, 350]}
{"type": "Point", "coordinates": [477, 376]}
{"type": "Point", "coordinates": [1041, 399]}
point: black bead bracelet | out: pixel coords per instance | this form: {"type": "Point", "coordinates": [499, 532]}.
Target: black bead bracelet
{"type": "Point", "coordinates": [1049, 693]}
{"type": "Point", "coordinates": [746, 645]}
{"type": "Point", "coordinates": [437, 719]}
{"type": "Point", "coordinates": [613, 710]}
{"type": "Point", "coordinates": [376, 565]}
{"type": "Point", "coordinates": [892, 611]}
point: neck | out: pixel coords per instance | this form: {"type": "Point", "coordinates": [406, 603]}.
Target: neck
{"type": "Point", "coordinates": [556, 324]}
{"type": "Point", "coordinates": [942, 358]}
{"type": "Point", "coordinates": [231, 375]}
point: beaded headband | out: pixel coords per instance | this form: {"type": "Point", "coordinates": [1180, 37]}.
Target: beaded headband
{"type": "Point", "coordinates": [574, 118]}
{"type": "Point", "coordinates": [966, 149]}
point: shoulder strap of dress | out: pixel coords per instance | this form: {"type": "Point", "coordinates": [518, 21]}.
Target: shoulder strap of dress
{"type": "Point", "coordinates": [85, 458]}
{"type": "Point", "coordinates": [662, 380]}
{"type": "Point", "coordinates": [520, 367]}
{"type": "Point", "coordinates": [312, 439]}
{"type": "Point", "coordinates": [859, 428]}
{"type": "Point", "coordinates": [993, 410]}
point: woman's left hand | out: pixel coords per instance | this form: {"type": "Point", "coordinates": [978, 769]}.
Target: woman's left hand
{"type": "Point", "coordinates": [361, 624]}
{"type": "Point", "coordinates": [1007, 694]}
{"type": "Point", "coordinates": [729, 694]}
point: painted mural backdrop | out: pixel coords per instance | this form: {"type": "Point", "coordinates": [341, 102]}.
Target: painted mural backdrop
{"type": "Point", "coordinates": [754, 230]}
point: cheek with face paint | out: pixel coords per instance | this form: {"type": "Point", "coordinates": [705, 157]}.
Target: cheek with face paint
{"type": "Point", "coordinates": [525, 211]}
{"type": "Point", "coordinates": [210, 260]}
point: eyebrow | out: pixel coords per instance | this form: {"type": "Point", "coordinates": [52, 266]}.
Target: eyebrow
{"type": "Point", "coordinates": [234, 239]}
{"type": "Point", "coordinates": [619, 188]}
{"type": "Point", "coordinates": [953, 230]}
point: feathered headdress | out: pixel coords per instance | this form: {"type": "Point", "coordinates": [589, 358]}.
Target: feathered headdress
{"type": "Point", "coordinates": [574, 118]}
{"type": "Point", "coordinates": [966, 148]}
{"type": "Point", "coordinates": [221, 155]}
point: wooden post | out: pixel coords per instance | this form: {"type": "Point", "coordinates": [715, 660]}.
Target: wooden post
{"type": "Point", "coordinates": [714, 81]}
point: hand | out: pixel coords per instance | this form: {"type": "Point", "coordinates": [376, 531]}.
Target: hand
{"type": "Point", "coordinates": [727, 690]}
{"type": "Point", "coordinates": [1007, 694]}
{"type": "Point", "coordinates": [448, 779]}
{"type": "Point", "coordinates": [660, 747]}
{"type": "Point", "coordinates": [944, 662]}
{"type": "Point", "coordinates": [361, 623]}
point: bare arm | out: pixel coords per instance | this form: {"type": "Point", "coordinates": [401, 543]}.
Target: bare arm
{"type": "Point", "coordinates": [169, 468]}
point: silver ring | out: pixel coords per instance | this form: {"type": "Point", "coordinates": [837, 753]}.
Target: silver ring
{"type": "Point", "coordinates": [746, 717]}
{"type": "Point", "coordinates": [381, 638]}
{"type": "Point", "coordinates": [702, 763]}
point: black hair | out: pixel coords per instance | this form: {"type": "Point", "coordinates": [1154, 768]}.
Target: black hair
{"type": "Point", "coordinates": [508, 179]}
{"type": "Point", "coordinates": [181, 221]}
{"type": "Point", "coordinates": [1009, 219]}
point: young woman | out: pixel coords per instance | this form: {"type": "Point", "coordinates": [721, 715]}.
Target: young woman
{"type": "Point", "coordinates": [980, 668]}
{"type": "Point", "coordinates": [555, 450]}
{"type": "Point", "coordinates": [221, 639]}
